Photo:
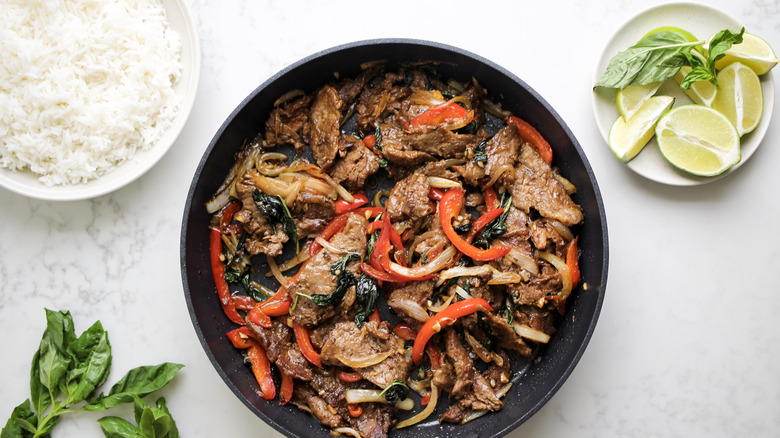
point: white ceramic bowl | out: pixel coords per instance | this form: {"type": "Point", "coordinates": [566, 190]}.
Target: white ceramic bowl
{"type": "Point", "coordinates": [27, 183]}
{"type": "Point", "coordinates": [702, 21]}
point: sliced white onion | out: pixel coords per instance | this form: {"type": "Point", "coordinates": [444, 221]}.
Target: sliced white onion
{"type": "Point", "coordinates": [411, 308]}
{"type": "Point", "coordinates": [223, 194]}
{"type": "Point", "coordinates": [288, 96]}
{"type": "Point", "coordinates": [292, 192]}
{"type": "Point", "coordinates": [562, 229]}
{"type": "Point", "coordinates": [495, 109]}
{"type": "Point", "coordinates": [562, 268]}
{"type": "Point", "coordinates": [478, 348]}
{"type": "Point", "coordinates": [425, 413]}
{"type": "Point", "coordinates": [507, 278]}
{"type": "Point", "coordinates": [462, 293]}
{"type": "Point", "coordinates": [276, 271]}
{"type": "Point", "coordinates": [329, 246]}
{"type": "Point", "coordinates": [463, 271]}
{"type": "Point", "coordinates": [529, 333]}
{"type": "Point", "coordinates": [523, 260]}
{"type": "Point", "coordinates": [297, 259]}
{"type": "Point", "coordinates": [364, 361]}
{"type": "Point", "coordinates": [444, 304]}
{"type": "Point", "coordinates": [567, 185]}
{"type": "Point", "coordinates": [497, 174]}
{"type": "Point", "coordinates": [434, 265]}
{"type": "Point", "coordinates": [270, 186]}
{"type": "Point", "coordinates": [375, 396]}
{"type": "Point", "coordinates": [442, 183]}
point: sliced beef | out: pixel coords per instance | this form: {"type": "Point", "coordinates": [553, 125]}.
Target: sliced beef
{"type": "Point", "coordinates": [516, 224]}
{"type": "Point", "coordinates": [536, 318]}
{"type": "Point", "coordinates": [324, 120]}
{"type": "Point", "coordinates": [538, 288]}
{"type": "Point", "coordinates": [315, 276]}
{"type": "Point", "coordinates": [263, 238]}
{"type": "Point", "coordinates": [397, 150]}
{"type": "Point", "coordinates": [439, 168]}
{"type": "Point", "coordinates": [376, 418]}
{"type": "Point", "coordinates": [439, 141]}
{"type": "Point", "coordinates": [499, 371]}
{"type": "Point", "coordinates": [307, 400]}
{"type": "Point", "coordinates": [311, 212]}
{"type": "Point", "coordinates": [380, 100]}
{"type": "Point", "coordinates": [357, 164]}
{"type": "Point", "coordinates": [502, 153]}
{"type": "Point", "coordinates": [504, 336]}
{"type": "Point", "coordinates": [461, 362]}
{"type": "Point", "coordinates": [417, 292]}
{"type": "Point", "coordinates": [350, 89]}
{"type": "Point", "coordinates": [545, 238]}
{"type": "Point", "coordinates": [347, 343]}
{"type": "Point", "coordinates": [535, 187]}
{"type": "Point", "coordinates": [278, 345]}
{"type": "Point", "coordinates": [408, 201]}
{"type": "Point", "coordinates": [473, 173]}
{"type": "Point", "coordinates": [287, 124]}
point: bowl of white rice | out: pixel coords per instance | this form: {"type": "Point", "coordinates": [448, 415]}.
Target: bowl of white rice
{"type": "Point", "coordinates": [92, 93]}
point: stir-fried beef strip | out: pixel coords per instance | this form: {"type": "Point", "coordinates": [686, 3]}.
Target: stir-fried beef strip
{"type": "Point", "coordinates": [324, 122]}
{"type": "Point", "coordinates": [264, 238]}
{"type": "Point", "coordinates": [334, 123]}
{"type": "Point", "coordinates": [358, 163]}
{"type": "Point", "coordinates": [536, 187]}
{"type": "Point", "coordinates": [288, 124]}
{"type": "Point", "coordinates": [316, 277]}
{"type": "Point", "coordinates": [347, 345]}
{"type": "Point", "coordinates": [278, 345]}
{"type": "Point", "coordinates": [311, 213]}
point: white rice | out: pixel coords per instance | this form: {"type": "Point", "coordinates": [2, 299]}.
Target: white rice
{"type": "Point", "coordinates": [84, 84]}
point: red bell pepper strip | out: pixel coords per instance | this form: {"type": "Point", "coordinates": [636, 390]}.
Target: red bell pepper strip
{"type": "Point", "coordinates": [439, 114]}
{"type": "Point", "coordinates": [286, 389]}
{"type": "Point", "coordinates": [374, 316]}
{"type": "Point", "coordinates": [342, 206]}
{"type": "Point", "coordinates": [443, 319]}
{"type": "Point", "coordinates": [304, 342]}
{"type": "Point", "coordinates": [355, 410]}
{"type": "Point", "coordinates": [241, 337]}
{"type": "Point", "coordinates": [261, 366]}
{"type": "Point", "coordinates": [403, 331]}
{"type": "Point", "coordinates": [277, 308]}
{"type": "Point", "coordinates": [449, 208]}
{"type": "Point", "coordinates": [257, 316]}
{"type": "Point", "coordinates": [435, 194]}
{"type": "Point", "coordinates": [218, 272]}
{"type": "Point", "coordinates": [350, 377]}
{"type": "Point", "coordinates": [227, 214]}
{"type": "Point", "coordinates": [433, 355]}
{"type": "Point", "coordinates": [573, 263]}
{"type": "Point", "coordinates": [370, 141]}
{"type": "Point", "coordinates": [244, 302]}
{"type": "Point", "coordinates": [425, 399]}
{"type": "Point", "coordinates": [491, 198]}
{"type": "Point", "coordinates": [531, 135]}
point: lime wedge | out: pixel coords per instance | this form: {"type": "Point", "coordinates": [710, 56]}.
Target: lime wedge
{"type": "Point", "coordinates": [626, 139]}
{"type": "Point", "coordinates": [698, 139]}
{"type": "Point", "coordinates": [753, 52]}
{"type": "Point", "coordinates": [631, 98]}
{"type": "Point", "coordinates": [740, 97]}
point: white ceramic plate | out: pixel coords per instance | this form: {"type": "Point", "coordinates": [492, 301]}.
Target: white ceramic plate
{"type": "Point", "coordinates": [702, 21]}
{"type": "Point", "coordinates": [27, 183]}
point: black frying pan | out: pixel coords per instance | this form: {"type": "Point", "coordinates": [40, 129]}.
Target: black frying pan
{"type": "Point", "coordinates": [534, 382]}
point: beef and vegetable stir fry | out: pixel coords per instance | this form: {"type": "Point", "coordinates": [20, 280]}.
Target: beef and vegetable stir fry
{"type": "Point", "coordinates": [404, 191]}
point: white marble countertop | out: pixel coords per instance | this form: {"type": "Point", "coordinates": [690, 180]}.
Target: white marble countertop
{"type": "Point", "coordinates": [687, 342]}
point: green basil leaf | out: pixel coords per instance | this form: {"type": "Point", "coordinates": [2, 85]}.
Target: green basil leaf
{"type": "Point", "coordinates": [39, 394]}
{"type": "Point", "coordinates": [22, 423]}
{"type": "Point", "coordinates": [53, 360]}
{"type": "Point", "coordinates": [91, 356]}
{"type": "Point", "coordinates": [720, 43]}
{"type": "Point", "coordinates": [115, 427]}
{"type": "Point", "coordinates": [366, 295]}
{"type": "Point", "coordinates": [139, 381]}
{"type": "Point", "coordinates": [701, 73]}
{"type": "Point", "coordinates": [654, 58]}
{"type": "Point", "coordinates": [173, 432]}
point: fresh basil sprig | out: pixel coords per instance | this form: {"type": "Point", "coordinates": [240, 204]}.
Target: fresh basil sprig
{"type": "Point", "coordinates": [659, 56]}
{"type": "Point", "coordinates": [153, 422]}
{"type": "Point", "coordinates": [701, 71]}
{"type": "Point", "coordinates": [67, 370]}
